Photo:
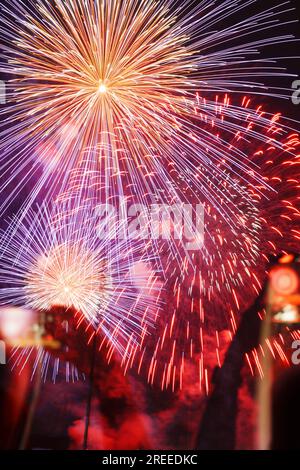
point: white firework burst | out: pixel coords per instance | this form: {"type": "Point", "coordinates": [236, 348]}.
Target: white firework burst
{"type": "Point", "coordinates": [55, 258]}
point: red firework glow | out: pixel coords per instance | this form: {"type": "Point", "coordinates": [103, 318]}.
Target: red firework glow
{"type": "Point", "coordinates": [206, 298]}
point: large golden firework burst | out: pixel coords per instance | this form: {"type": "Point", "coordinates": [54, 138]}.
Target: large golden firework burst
{"type": "Point", "coordinates": [110, 85]}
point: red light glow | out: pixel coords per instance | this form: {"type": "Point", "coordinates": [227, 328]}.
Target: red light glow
{"type": "Point", "coordinates": [284, 281]}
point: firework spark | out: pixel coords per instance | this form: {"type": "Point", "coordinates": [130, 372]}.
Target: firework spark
{"type": "Point", "coordinates": [206, 297]}
{"type": "Point", "coordinates": [55, 259]}
{"type": "Point", "coordinates": [113, 84]}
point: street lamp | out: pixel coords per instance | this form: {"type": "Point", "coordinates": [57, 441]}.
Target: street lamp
{"type": "Point", "coordinates": [282, 310]}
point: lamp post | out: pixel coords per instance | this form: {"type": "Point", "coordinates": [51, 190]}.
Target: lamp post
{"type": "Point", "coordinates": [282, 310]}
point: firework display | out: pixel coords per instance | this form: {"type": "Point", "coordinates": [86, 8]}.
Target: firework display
{"type": "Point", "coordinates": [206, 296]}
{"type": "Point", "coordinates": [147, 183]}
{"type": "Point", "coordinates": [53, 259]}
{"type": "Point", "coordinates": [114, 83]}
{"type": "Point", "coordinates": [113, 99]}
